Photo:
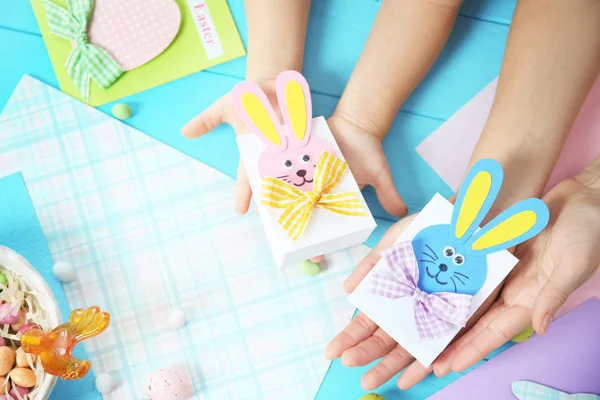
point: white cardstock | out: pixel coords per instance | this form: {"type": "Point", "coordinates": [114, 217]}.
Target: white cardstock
{"type": "Point", "coordinates": [326, 231]}
{"type": "Point", "coordinates": [396, 316]}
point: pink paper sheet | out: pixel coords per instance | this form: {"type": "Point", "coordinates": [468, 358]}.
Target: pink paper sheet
{"type": "Point", "coordinates": [448, 149]}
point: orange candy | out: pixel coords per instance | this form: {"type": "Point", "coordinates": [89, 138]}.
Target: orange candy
{"type": "Point", "coordinates": [55, 348]}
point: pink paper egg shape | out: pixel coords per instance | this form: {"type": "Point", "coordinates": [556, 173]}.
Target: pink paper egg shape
{"type": "Point", "coordinates": [134, 32]}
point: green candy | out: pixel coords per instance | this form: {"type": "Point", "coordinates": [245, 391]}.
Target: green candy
{"type": "Point", "coordinates": [121, 111]}
{"type": "Point", "coordinates": [3, 279]}
{"type": "Point", "coordinates": [372, 396]}
{"type": "Point", "coordinates": [310, 268]}
{"type": "Point", "coordinates": [524, 335]}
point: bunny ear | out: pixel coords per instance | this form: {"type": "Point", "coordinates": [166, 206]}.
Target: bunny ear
{"type": "Point", "coordinates": [254, 108]}
{"type": "Point", "coordinates": [294, 100]}
{"type": "Point", "coordinates": [475, 197]}
{"type": "Point", "coordinates": [515, 225]}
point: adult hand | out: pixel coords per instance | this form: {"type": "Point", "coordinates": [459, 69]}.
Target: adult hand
{"type": "Point", "coordinates": [552, 265]}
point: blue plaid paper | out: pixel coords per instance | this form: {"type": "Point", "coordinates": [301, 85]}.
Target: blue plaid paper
{"type": "Point", "coordinates": [150, 230]}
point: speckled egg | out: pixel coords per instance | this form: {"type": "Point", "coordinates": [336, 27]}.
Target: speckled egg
{"type": "Point", "coordinates": [524, 335]}
{"type": "Point", "coordinates": [372, 396]}
{"type": "Point", "coordinates": [166, 384]}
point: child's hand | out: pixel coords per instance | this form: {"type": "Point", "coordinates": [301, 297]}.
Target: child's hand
{"type": "Point", "coordinates": [552, 265]}
{"type": "Point", "coordinates": [222, 111]}
{"type": "Point", "coordinates": [364, 154]}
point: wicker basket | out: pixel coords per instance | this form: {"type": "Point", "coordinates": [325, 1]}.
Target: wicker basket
{"type": "Point", "coordinates": [12, 261]}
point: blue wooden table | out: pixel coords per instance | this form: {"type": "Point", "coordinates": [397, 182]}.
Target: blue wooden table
{"type": "Point", "coordinates": [338, 29]}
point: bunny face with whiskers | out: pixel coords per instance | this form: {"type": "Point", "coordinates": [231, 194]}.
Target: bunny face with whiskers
{"type": "Point", "coordinates": [292, 152]}
{"type": "Point", "coordinates": [452, 257]}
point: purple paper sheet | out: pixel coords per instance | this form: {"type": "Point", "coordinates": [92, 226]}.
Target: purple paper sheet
{"type": "Point", "coordinates": [567, 358]}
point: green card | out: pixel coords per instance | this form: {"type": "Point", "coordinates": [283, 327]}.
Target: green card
{"type": "Point", "coordinates": [206, 36]}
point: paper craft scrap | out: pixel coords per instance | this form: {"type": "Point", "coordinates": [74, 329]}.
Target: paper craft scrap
{"type": "Point", "coordinates": [565, 358]}
{"type": "Point", "coordinates": [104, 50]}
{"type": "Point", "coordinates": [308, 200]}
{"type": "Point", "coordinates": [443, 267]}
{"type": "Point", "coordinates": [86, 61]}
{"type": "Point", "coordinates": [526, 390]}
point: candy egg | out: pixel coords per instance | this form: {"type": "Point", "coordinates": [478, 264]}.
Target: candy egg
{"type": "Point", "coordinates": [27, 327]}
{"type": "Point", "coordinates": [64, 272]}
{"type": "Point", "coordinates": [104, 383]}
{"type": "Point", "coordinates": [166, 384]}
{"type": "Point", "coordinates": [7, 360]}
{"type": "Point", "coordinates": [22, 358]}
{"type": "Point", "coordinates": [16, 326]}
{"type": "Point", "coordinates": [8, 315]}
{"type": "Point", "coordinates": [310, 268]}
{"type": "Point", "coordinates": [4, 385]}
{"type": "Point", "coordinates": [176, 319]}
{"type": "Point", "coordinates": [372, 396]}
{"type": "Point", "coordinates": [2, 341]}
{"type": "Point", "coordinates": [524, 335]}
{"type": "Point", "coordinates": [21, 391]}
{"type": "Point", "coordinates": [3, 279]}
{"type": "Point", "coordinates": [23, 377]}
{"type": "Point", "coordinates": [121, 111]}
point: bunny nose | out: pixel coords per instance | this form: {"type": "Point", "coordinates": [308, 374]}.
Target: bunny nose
{"type": "Point", "coordinates": [443, 267]}
{"type": "Point", "coordinates": [301, 173]}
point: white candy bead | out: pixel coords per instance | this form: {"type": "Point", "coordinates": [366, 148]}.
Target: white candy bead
{"type": "Point", "coordinates": [104, 383]}
{"type": "Point", "coordinates": [176, 319]}
{"type": "Point", "coordinates": [64, 272]}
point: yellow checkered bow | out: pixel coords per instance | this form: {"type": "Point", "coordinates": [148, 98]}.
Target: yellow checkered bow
{"type": "Point", "coordinates": [298, 204]}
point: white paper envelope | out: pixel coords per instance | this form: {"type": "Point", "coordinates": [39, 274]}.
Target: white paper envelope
{"type": "Point", "coordinates": [326, 231]}
{"type": "Point", "coordinates": [396, 316]}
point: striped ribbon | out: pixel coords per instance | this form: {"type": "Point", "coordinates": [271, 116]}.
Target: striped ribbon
{"type": "Point", "coordinates": [298, 205]}
{"type": "Point", "coordinates": [86, 61]}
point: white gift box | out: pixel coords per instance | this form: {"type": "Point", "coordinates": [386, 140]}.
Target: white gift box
{"type": "Point", "coordinates": [326, 231]}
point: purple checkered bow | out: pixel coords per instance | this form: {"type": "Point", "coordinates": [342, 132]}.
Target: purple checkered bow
{"type": "Point", "coordinates": [436, 314]}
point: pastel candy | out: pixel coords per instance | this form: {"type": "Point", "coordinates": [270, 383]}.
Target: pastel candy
{"type": "Point", "coordinates": [121, 111]}
{"type": "Point", "coordinates": [372, 396]}
{"type": "Point", "coordinates": [176, 319]}
{"type": "Point", "coordinates": [167, 384]}
{"type": "Point", "coordinates": [104, 383]}
{"type": "Point", "coordinates": [64, 272]}
{"type": "Point", "coordinates": [524, 335]}
{"type": "Point", "coordinates": [310, 268]}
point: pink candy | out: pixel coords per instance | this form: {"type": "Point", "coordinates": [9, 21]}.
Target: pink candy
{"type": "Point", "coordinates": [5, 314]}
{"type": "Point", "coordinates": [21, 391]}
{"type": "Point", "coordinates": [27, 327]}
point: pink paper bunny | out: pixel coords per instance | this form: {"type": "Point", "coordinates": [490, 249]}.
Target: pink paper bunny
{"type": "Point", "coordinates": [291, 157]}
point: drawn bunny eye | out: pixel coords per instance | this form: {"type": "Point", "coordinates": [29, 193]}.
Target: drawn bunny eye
{"type": "Point", "coordinates": [288, 164]}
{"type": "Point", "coordinates": [305, 158]}
{"type": "Point", "coordinates": [458, 259]}
{"type": "Point", "coordinates": [449, 251]}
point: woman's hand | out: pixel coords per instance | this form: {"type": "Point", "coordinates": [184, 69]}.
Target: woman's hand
{"type": "Point", "coordinates": [362, 341]}
{"type": "Point", "coordinates": [552, 265]}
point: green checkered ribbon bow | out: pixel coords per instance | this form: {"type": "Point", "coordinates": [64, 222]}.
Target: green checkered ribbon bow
{"type": "Point", "coordinates": [86, 61]}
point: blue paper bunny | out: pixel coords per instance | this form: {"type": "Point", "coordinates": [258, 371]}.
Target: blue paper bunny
{"type": "Point", "coordinates": [452, 258]}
